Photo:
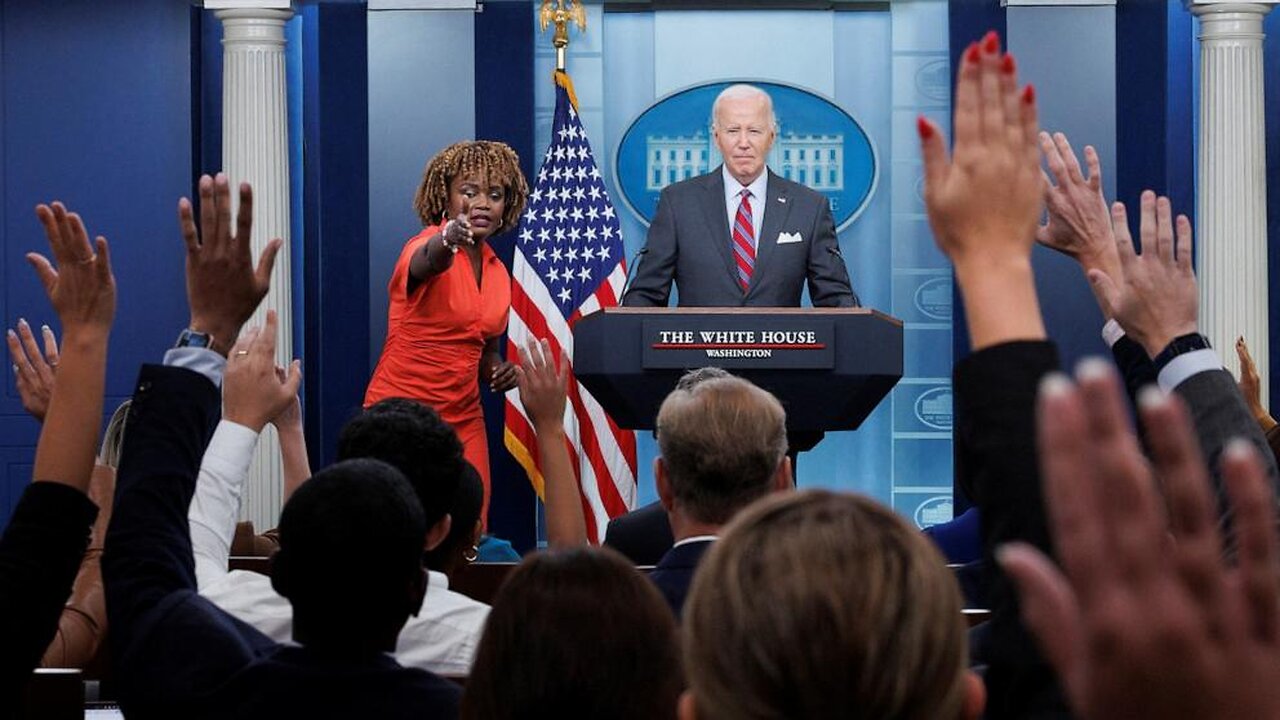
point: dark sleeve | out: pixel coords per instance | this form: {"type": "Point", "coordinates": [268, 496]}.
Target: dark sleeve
{"type": "Point", "coordinates": [651, 285]}
{"type": "Point", "coordinates": [1220, 415]}
{"type": "Point", "coordinates": [995, 390]}
{"type": "Point", "coordinates": [1135, 367]}
{"type": "Point", "coordinates": [147, 563]}
{"type": "Point", "coordinates": [829, 284]}
{"type": "Point", "coordinates": [40, 555]}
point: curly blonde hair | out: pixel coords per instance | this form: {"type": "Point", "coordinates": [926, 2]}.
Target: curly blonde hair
{"type": "Point", "coordinates": [494, 161]}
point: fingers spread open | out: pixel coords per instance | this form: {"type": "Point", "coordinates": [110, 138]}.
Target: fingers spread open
{"type": "Point", "coordinates": [933, 151]}
{"type": "Point", "coordinates": [50, 346]}
{"type": "Point", "coordinates": [1068, 157]}
{"type": "Point", "coordinates": [187, 224]}
{"type": "Point", "coordinates": [267, 262]}
{"type": "Point", "coordinates": [968, 120]}
{"type": "Point", "coordinates": [208, 212]}
{"type": "Point", "coordinates": [1095, 168]}
{"type": "Point", "coordinates": [44, 270]}
{"type": "Point", "coordinates": [1183, 227]}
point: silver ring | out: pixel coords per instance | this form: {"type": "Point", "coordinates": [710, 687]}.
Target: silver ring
{"type": "Point", "coordinates": [241, 353]}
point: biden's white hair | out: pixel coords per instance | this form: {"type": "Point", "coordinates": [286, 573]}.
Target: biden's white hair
{"type": "Point", "coordinates": [742, 91]}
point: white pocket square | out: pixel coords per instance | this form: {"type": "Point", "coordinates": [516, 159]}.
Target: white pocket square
{"type": "Point", "coordinates": [787, 238]}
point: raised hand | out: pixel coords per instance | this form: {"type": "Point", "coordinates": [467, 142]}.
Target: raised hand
{"type": "Point", "coordinates": [290, 417]}
{"type": "Point", "coordinates": [1155, 301]}
{"type": "Point", "coordinates": [34, 371]}
{"type": "Point", "coordinates": [457, 231]}
{"type": "Point", "coordinates": [252, 393]}
{"type": "Point", "coordinates": [542, 385]}
{"type": "Point", "coordinates": [1079, 223]}
{"type": "Point", "coordinates": [1135, 625]}
{"type": "Point", "coordinates": [984, 200]}
{"type": "Point", "coordinates": [223, 288]}
{"type": "Point", "coordinates": [1251, 386]}
{"type": "Point", "coordinates": [81, 287]}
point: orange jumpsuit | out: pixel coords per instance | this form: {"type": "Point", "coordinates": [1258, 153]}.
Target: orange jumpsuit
{"type": "Point", "coordinates": [435, 336]}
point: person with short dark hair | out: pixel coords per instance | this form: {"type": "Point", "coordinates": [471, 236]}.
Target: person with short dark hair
{"type": "Point", "coordinates": [175, 654]}
{"type": "Point", "coordinates": [576, 633]}
{"type": "Point", "coordinates": [442, 637]}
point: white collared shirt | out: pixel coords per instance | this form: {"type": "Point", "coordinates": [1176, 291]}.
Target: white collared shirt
{"type": "Point", "coordinates": [733, 198]}
{"type": "Point", "coordinates": [1179, 369]}
{"type": "Point", "coordinates": [442, 638]}
{"type": "Point", "coordinates": [694, 539]}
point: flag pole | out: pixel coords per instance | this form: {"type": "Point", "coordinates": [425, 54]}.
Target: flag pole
{"type": "Point", "coordinates": [561, 13]}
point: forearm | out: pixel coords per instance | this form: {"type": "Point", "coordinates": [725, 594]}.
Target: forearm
{"type": "Point", "coordinates": [433, 259]}
{"type": "Point", "coordinates": [67, 449]}
{"type": "Point", "coordinates": [1000, 301]}
{"type": "Point", "coordinates": [293, 456]}
{"type": "Point", "coordinates": [216, 504]}
{"type": "Point", "coordinates": [566, 526]}
{"type": "Point", "coordinates": [83, 622]}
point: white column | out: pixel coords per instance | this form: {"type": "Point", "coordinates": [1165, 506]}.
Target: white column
{"type": "Point", "coordinates": [255, 149]}
{"type": "Point", "coordinates": [1231, 182]}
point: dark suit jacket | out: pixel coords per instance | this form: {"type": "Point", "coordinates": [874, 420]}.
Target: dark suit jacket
{"type": "Point", "coordinates": [995, 392]}
{"type": "Point", "coordinates": [174, 653]}
{"type": "Point", "coordinates": [1218, 412]}
{"type": "Point", "coordinates": [40, 554]}
{"type": "Point", "coordinates": [689, 243]}
{"type": "Point", "coordinates": [674, 573]}
{"type": "Point", "coordinates": [642, 535]}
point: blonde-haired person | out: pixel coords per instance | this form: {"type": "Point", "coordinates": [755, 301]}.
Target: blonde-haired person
{"type": "Point", "coordinates": [820, 605]}
{"type": "Point", "coordinates": [450, 294]}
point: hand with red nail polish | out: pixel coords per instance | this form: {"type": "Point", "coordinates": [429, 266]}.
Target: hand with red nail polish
{"type": "Point", "coordinates": [985, 199]}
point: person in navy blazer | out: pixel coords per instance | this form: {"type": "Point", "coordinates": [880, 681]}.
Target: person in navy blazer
{"type": "Point", "coordinates": [723, 445]}
{"type": "Point", "coordinates": [788, 233]}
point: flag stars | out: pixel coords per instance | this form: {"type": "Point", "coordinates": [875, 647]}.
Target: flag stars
{"type": "Point", "coordinates": [584, 274]}
{"type": "Point", "coordinates": [540, 255]}
{"type": "Point", "coordinates": [565, 295]}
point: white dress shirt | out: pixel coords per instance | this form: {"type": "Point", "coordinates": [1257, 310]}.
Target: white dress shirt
{"type": "Point", "coordinates": [442, 638]}
{"type": "Point", "coordinates": [733, 198]}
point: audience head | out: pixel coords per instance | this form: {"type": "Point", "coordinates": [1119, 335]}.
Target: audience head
{"type": "Point", "coordinates": [723, 444]}
{"type": "Point", "coordinates": [576, 633]}
{"type": "Point", "coordinates": [477, 172]}
{"type": "Point", "coordinates": [411, 436]}
{"type": "Point", "coordinates": [113, 437]}
{"type": "Point", "coordinates": [361, 516]}
{"type": "Point", "coordinates": [458, 547]}
{"type": "Point", "coordinates": [818, 605]}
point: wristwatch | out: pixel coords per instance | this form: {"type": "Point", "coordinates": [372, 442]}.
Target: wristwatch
{"type": "Point", "coordinates": [194, 339]}
{"type": "Point", "coordinates": [1180, 345]}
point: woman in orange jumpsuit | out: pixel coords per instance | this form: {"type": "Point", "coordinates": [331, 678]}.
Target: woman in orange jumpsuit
{"type": "Point", "coordinates": [450, 294]}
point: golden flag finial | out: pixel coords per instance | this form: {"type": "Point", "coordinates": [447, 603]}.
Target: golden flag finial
{"type": "Point", "coordinates": [561, 13]}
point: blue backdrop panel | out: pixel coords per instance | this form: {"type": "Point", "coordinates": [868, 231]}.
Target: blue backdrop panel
{"type": "Point", "coordinates": [1069, 54]}
{"type": "Point", "coordinates": [421, 99]}
{"type": "Point", "coordinates": [85, 122]}
{"type": "Point", "coordinates": [335, 216]}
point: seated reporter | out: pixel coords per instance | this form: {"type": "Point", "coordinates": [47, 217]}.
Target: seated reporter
{"type": "Point", "coordinates": [174, 653]}
{"type": "Point", "coordinates": [443, 635]}
{"type": "Point", "coordinates": [576, 633]}
{"type": "Point", "coordinates": [818, 605]}
{"type": "Point", "coordinates": [45, 540]}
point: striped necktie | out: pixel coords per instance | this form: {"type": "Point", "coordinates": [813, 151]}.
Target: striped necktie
{"type": "Point", "coordinates": [744, 241]}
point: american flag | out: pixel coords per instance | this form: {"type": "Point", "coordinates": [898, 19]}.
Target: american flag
{"type": "Point", "coordinates": [569, 262]}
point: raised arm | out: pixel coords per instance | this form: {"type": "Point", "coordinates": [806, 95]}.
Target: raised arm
{"type": "Point", "coordinates": [436, 254]}
{"type": "Point", "coordinates": [45, 540]}
{"type": "Point", "coordinates": [542, 393]}
{"type": "Point", "coordinates": [983, 205]}
{"type": "Point", "coordinates": [148, 562]}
